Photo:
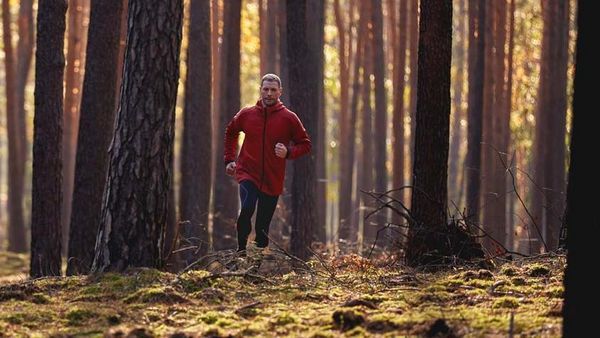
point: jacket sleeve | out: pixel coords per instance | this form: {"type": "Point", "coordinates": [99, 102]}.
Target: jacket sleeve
{"type": "Point", "coordinates": [231, 137]}
{"type": "Point", "coordinates": [301, 141]}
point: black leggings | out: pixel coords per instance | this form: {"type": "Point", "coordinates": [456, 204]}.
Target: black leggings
{"type": "Point", "coordinates": [249, 195]}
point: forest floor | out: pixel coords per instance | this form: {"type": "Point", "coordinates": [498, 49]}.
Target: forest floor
{"type": "Point", "coordinates": [342, 296]}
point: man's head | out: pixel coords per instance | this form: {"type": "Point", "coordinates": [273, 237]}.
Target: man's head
{"type": "Point", "coordinates": [270, 89]}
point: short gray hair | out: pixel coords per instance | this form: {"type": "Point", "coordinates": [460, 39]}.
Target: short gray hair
{"type": "Point", "coordinates": [270, 77]}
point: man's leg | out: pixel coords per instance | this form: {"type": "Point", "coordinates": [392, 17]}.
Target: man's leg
{"type": "Point", "coordinates": [266, 208]}
{"type": "Point", "coordinates": [248, 196]}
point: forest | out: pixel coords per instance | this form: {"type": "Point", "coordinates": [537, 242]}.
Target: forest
{"type": "Point", "coordinates": [303, 168]}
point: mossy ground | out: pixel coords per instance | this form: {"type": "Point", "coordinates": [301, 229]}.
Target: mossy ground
{"type": "Point", "coordinates": [349, 299]}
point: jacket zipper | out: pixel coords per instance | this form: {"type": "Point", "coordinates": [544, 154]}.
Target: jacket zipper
{"type": "Point", "coordinates": [262, 177]}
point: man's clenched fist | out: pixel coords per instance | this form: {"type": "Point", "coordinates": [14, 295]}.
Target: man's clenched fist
{"type": "Point", "coordinates": [230, 168]}
{"type": "Point", "coordinates": [280, 150]}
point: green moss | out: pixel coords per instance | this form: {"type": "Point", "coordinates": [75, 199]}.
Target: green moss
{"type": "Point", "coordinates": [555, 292]}
{"type": "Point", "coordinates": [286, 318]}
{"type": "Point", "coordinates": [210, 317]}
{"type": "Point", "coordinates": [299, 305]}
{"type": "Point", "coordinates": [509, 270]}
{"type": "Point", "coordinates": [506, 302]}
{"type": "Point", "coordinates": [166, 295]}
{"type": "Point", "coordinates": [519, 281]}
{"type": "Point", "coordinates": [40, 298]}
{"type": "Point", "coordinates": [538, 270]}
{"type": "Point", "coordinates": [78, 316]}
{"type": "Point", "coordinates": [481, 284]}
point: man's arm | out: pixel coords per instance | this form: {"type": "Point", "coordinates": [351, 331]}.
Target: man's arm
{"type": "Point", "coordinates": [302, 144]}
{"type": "Point", "coordinates": [231, 138]}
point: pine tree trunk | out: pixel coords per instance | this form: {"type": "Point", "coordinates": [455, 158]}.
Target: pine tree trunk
{"type": "Point", "coordinates": [134, 207]}
{"type": "Point", "coordinates": [95, 131]}
{"type": "Point", "coordinates": [197, 136]}
{"type": "Point", "coordinates": [76, 41]}
{"type": "Point", "coordinates": [225, 188]}
{"type": "Point", "coordinates": [47, 140]}
{"type": "Point", "coordinates": [429, 199]}
{"type": "Point", "coordinates": [302, 72]}
{"type": "Point", "coordinates": [477, 22]}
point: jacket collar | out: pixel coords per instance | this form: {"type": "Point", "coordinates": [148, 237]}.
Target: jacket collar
{"type": "Point", "coordinates": [276, 107]}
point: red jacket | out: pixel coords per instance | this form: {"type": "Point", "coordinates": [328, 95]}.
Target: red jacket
{"type": "Point", "coordinates": [265, 127]}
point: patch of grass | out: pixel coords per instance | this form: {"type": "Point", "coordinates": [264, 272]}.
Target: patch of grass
{"type": "Point", "coordinates": [538, 270]}
{"type": "Point", "coordinates": [166, 295]}
{"type": "Point", "coordinates": [78, 316]}
{"type": "Point", "coordinates": [400, 303]}
{"type": "Point", "coordinates": [506, 302]}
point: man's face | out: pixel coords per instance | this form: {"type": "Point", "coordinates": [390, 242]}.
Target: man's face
{"type": "Point", "coordinates": [270, 92]}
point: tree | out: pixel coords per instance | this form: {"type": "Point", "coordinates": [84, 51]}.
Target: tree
{"type": "Point", "coordinates": [77, 39]}
{"type": "Point", "coordinates": [134, 206]}
{"type": "Point", "coordinates": [475, 106]}
{"type": "Point", "coordinates": [581, 214]}
{"type": "Point", "coordinates": [316, 31]}
{"type": "Point", "coordinates": [380, 126]}
{"type": "Point", "coordinates": [549, 146]}
{"type": "Point", "coordinates": [302, 87]}
{"type": "Point", "coordinates": [225, 199]}
{"type": "Point", "coordinates": [429, 198]}
{"type": "Point", "coordinates": [197, 135]}
{"type": "Point", "coordinates": [47, 140]}
{"type": "Point", "coordinates": [95, 131]}
{"type": "Point", "coordinates": [16, 140]}
{"type": "Point", "coordinates": [346, 233]}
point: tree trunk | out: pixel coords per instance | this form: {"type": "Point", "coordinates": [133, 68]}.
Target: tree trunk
{"type": "Point", "coordinates": [511, 197]}
{"type": "Point", "coordinates": [134, 207]}
{"type": "Point", "coordinates": [476, 67]}
{"type": "Point", "coordinates": [366, 169]}
{"type": "Point", "coordinates": [16, 224]}
{"type": "Point", "coordinates": [413, 32]}
{"type": "Point", "coordinates": [197, 135]}
{"type": "Point", "coordinates": [76, 42]}
{"type": "Point", "coordinates": [380, 146]}
{"type": "Point", "coordinates": [268, 33]}
{"type": "Point", "coordinates": [581, 215]}
{"type": "Point", "coordinates": [302, 71]}
{"type": "Point", "coordinates": [549, 145]}
{"type": "Point", "coordinates": [429, 199]}
{"type": "Point", "coordinates": [455, 158]}
{"type": "Point", "coordinates": [95, 131]}
{"type": "Point", "coordinates": [316, 31]}
{"type": "Point", "coordinates": [398, 115]}
{"type": "Point", "coordinates": [47, 131]}
{"type": "Point", "coordinates": [225, 188]}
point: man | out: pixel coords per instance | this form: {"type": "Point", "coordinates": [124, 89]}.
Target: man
{"type": "Point", "coordinates": [273, 134]}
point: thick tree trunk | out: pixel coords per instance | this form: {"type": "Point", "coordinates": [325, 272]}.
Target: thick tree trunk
{"type": "Point", "coordinates": [581, 215]}
{"type": "Point", "coordinates": [47, 135]}
{"type": "Point", "coordinates": [135, 199]}
{"type": "Point", "coordinates": [429, 199]}
{"type": "Point", "coordinates": [95, 131]}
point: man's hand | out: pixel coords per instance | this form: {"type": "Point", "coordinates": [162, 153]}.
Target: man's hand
{"type": "Point", "coordinates": [280, 150]}
{"type": "Point", "coordinates": [230, 168]}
